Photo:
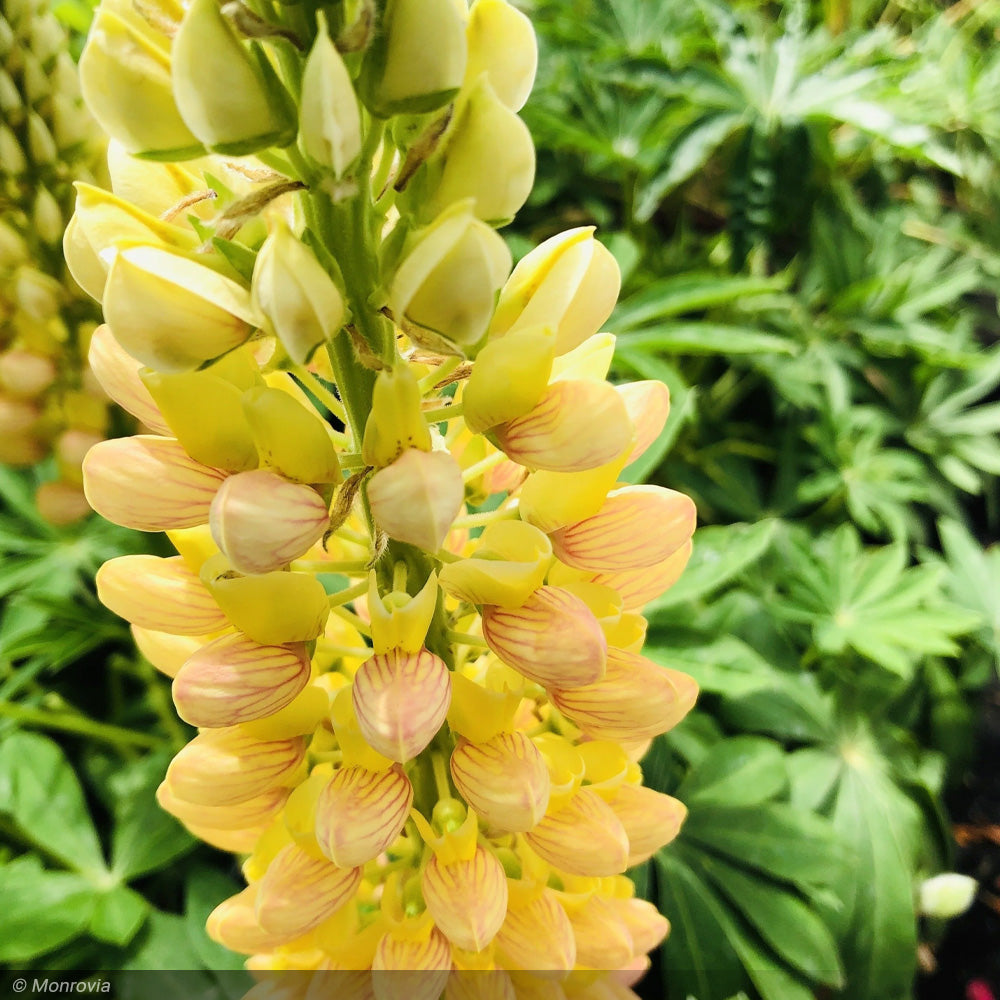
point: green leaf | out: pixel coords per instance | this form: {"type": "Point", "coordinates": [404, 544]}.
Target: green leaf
{"type": "Point", "coordinates": [727, 666]}
{"type": "Point", "coordinates": [41, 909]}
{"type": "Point", "coordinates": [145, 837]}
{"type": "Point", "coordinates": [205, 888]}
{"type": "Point", "coordinates": [782, 920]}
{"type": "Point", "coordinates": [162, 944]}
{"type": "Point", "coordinates": [40, 793]}
{"type": "Point", "coordinates": [719, 555]}
{"type": "Point", "coordinates": [118, 915]}
{"type": "Point", "coordinates": [740, 771]}
{"type": "Point", "coordinates": [707, 338]}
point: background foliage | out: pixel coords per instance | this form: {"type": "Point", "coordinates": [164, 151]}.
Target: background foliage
{"type": "Point", "coordinates": [803, 199]}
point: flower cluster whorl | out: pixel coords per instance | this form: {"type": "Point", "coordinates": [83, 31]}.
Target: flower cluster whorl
{"type": "Point", "coordinates": [49, 401]}
{"type": "Point", "coordinates": [405, 615]}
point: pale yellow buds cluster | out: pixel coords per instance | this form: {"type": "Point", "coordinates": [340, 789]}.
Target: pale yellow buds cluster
{"type": "Point", "coordinates": [49, 402]}
{"type": "Point", "coordinates": [406, 614]}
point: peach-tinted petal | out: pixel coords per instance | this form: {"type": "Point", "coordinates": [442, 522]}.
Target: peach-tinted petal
{"type": "Point", "coordinates": [166, 652]}
{"type": "Point", "coordinates": [263, 521]}
{"type": "Point", "coordinates": [603, 940]}
{"type": "Point", "coordinates": [118, 374]}
{"type": "Point", "coordinates": [360, 813]}
{"type": "Point", "coordinates": [637, 587]}
{"type": "Point", "coordinates": [467, 899]}
{"type": "Point", "coordinates": [651, 819]}
{"type": "Point", "coordinates": [225, 767]}
{"type": "Point", "coordinates": [636, 699]}
{"type": "Point", "coordinates": [407, 968]}
{"type": "Point", "coordinates": [576, 425]}
{"type": "Point", "coordinates": [645, 923]}
{"type": "Point", "coordinates": [552, 639]}
{"type": "Point", "coordinates": [234, 680]}
{"type": "Point", "coordinates": [401, 701]}
{"type": "Point", "coordinates": [298, 892]}
{"type": "Point", "coordinates": [537, 935]}
{"type": "Point", "coordinates": [504, 780]}
{"type": "Point", "coordinates": [648, 406]}
{"type": "Point", "coordinates": [480, 984]}
{"type": "Point", "coordinates": [158, 594]}
{"type": "Point", "coordinates": [256, 812]}
{"type": "Point", "coordinates": [149, 484]}
{"type": "Point", "coordinates": [637, 526]}
{"type": "Point", "coordinates": [233, 924]}
{"type": "Point", "coordinates": [584, 837]}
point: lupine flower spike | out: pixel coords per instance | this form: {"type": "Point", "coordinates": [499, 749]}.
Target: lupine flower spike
{"type": "Point", "coordinates": [406, 610]}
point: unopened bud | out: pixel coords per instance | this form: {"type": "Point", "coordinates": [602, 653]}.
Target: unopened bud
{"type": "Point", "coordinates": [396, 421]}
{"type": "Point", "coordinates": [295, 293]}
{"type": "Point", "coordinates": [449, 281]}
{"type": "Point", "coordinates": [417, 61]}
{"type": "Point", "coordinates": [330, 122]}
{"type": "Point", "coordinates": [502, 45]}
{"type": "Point", "coordinates": [24, 374]}
{"type": "Point", "coordinates": [41, 145]}
{"type": "Point", "coordinates": [220, 91]}
{"type": "Point", "coordinates": [48, 217]}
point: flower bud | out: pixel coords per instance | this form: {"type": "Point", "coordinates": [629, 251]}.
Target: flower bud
{"type": "Point", "coordinates": [449, 281]}
{"type": "Point", "coordinates": [262, 521]}
{"type": "Point", "coordinates": [298, 892]}
{"type": "Point", "coordinates": [172, 313]}
{"type": "Point", "coordinates": [221, 93]}
{"type": "Point", "coordinates": [396, 421]}
{"type": "Point", "coordinates": [233, 924]}
{"type": "Point", "coordinates": [508, 566]}
{"type": "Point", "coordinates": [421, 965]}
{"type": "Point", "coordinates": [603, 940]}
{"type": "Point", "coordinates": [38, 295]}
{"type": "Point", "coordinates": [272, 608]}
{"type": "Point", "coordinates": [148, 484]}
{"type": "Point", "coordinates": [159, 594]}
{"type": "Point", "coordinates": [636, 699]}
{"type": "Point", "coordinates": [416, 499]}
{"type": "Point", "coordinates": [24, 374]}
{"type": "Point", "coordinates": [401, 701]}
{"type": "Point", "coordinates": [502, 45]}
{"type": "Point", "coordinates": [61, 503]}
{"type": "Point", "coordinates": [947, 895]}
{"type": "Point", "coordinates": [330, 121]}
{"type": "Point", "coordinates": [577, 425]}
{"type": "Point", "coordinates": [226, 767]}
{"type": "Point", "coordinates": [399, 621]}
{"type": "Point", "coordinates": [504, 780]}
{"type": "Point", "coordinates": [294, 292]}
{"type": "Point", "coordinates": [125, 81]}
{"type": "Point", "coordinates": [650, 818]}
{"type": "Point", "coordinates": [637, 526]}
{"type": "Point", "coordinates": [488, 156]}
{"type": "Point", "coordinates": [417, 60]}
{"type": "Point", "coordinates": [466, 898]}
{"type": "Point", "coordinates": [553, 639]}
{"type": "Point", "coordinates": [584, 837]}
{"type": "Point", "coordinates": [291, 439]}
{"type": "Point", "coordinates": [360, 813]}
{"type": "Point", "coordinates": [508, 379]}
{"type": "Point", "coordinates": [234, 680]}
{"type": "Point", "coordinates": [570, 282]}
{"type": "Point", "coordinates": [47, 217]}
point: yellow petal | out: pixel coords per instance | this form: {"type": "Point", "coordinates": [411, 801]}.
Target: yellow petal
{"type": "Point", "coordinates": [651, 819]}
{"type": "Point", "coordinates": [233, 924]}
{"type": "Point", "coordinates": [647, 926]}
{"type": "Point", "coordinates": [234, 680]}
{"type": "Point", "coordinates": [159, 594]}
{"type": "Point", "coordinates": [537, 936]}
{"type": "Point", "coordinates": [552, 500]}
{"type": "Point", "coordinates": [603, 940]}
{"type": "Point", "coordinates": [148, 483]}
{"type": "Point", "coordinates": [648, 405]}
{"type": "Point", "coordinates": [166, 652]}
{"type": "Point", "coordinates": [256, 813]}
{"type": "Point", "coordinates": [637, 587]}
{"type": "Point", "coordinates": [118, 374]}
{"type": "Point", "coordinates": [553, 639]}
{"type": "Point", "coordinates": [360, 813]}
{"type": "Point", "coordinates": [399, 621]}
{"type": "Point", "coordinates": [502, 45]}
{"type": "Point", "coordinates": [637, 699]}
{"type": "Point", "coordinates": [504, 780]}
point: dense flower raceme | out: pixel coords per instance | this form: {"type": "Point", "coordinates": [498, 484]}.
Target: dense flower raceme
{"type": "Point", "coordinates": [405, 614]}
{"type": "Point", "coordinates": [49, 400]}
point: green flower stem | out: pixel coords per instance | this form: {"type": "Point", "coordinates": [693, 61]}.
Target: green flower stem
{"type": "Point", "coordinates": [63, 722]}
{"type": "Point", "coordinates": [464, 639]}
{"type": "Point", "coordinates": [444, 413]}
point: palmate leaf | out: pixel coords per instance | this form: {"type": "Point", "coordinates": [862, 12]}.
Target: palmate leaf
{"type": "Point", "coordinates": [869, 601]}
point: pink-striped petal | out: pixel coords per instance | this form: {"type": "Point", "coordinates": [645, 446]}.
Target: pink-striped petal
{"type": "Point", "coordinates": [504, 780]}
{"type": "Point", "coordinates": [584, 837]}
{"type": "Point", "coordinates": [603, 940]}
{"type": "Point", "coordinates": [637, 587]}
{"type": "Point", "coordinates": [645, 923]}
{"type": "Point", "coordinates": [401, 701]}
{"type": "Point", "coordinates": [233, 924]}
{"type": "Point", "coordinates": [256, 812]}
{"type": "Point", "coordinates": [235, 679]}
{"type": "Point", "coordinates": [637, 699]}
{"type": "Point", "coordinates": [411, 968]}
{"type": "Point", "coordinates": [577, 425]}
{"type": "Point", "coordinates": [467, 899]}
{"type": "Point", "coordinates": [360, 813]}
{"type": "Point", "coordinates": [298, 892]}
{"type": "Point", "coordinates": [158, 594]}
{"type": "Point", "coordinates": [149, 484]}
{"type": "Point", "coordinates": [648, 406]}
{"type": "Point", "coordinates": [537, 935]}
{"type": "Point", "coordinates": [651, 819]}
{"type": "Point", "coordinates": [553, 639]}
{"type": "Point", "coordinates": [637, 526]}
{"type": "Point", "coordinates": [118, 374]}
